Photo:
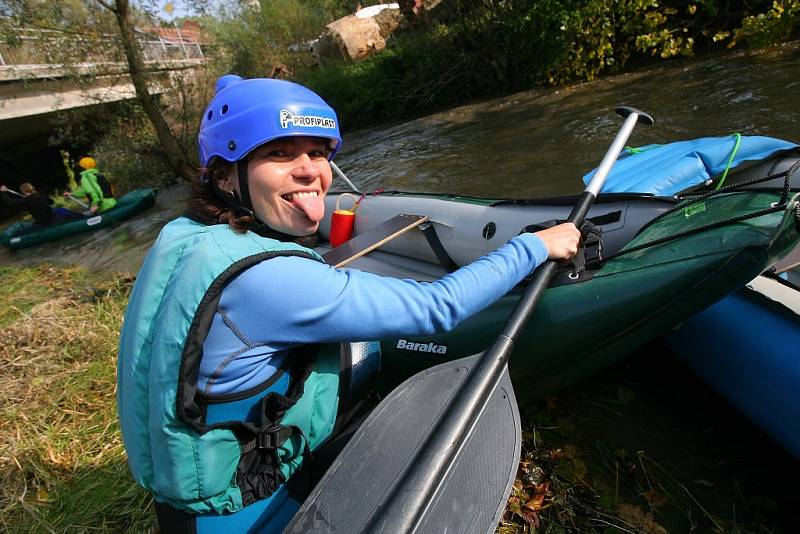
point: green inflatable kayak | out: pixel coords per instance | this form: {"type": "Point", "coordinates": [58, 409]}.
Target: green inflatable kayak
{"type": "Point", "coordinates": [589, 319]}
{"type": "Point", "coordinates": [25, 234]}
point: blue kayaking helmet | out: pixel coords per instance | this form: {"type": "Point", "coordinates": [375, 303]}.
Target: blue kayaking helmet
{"type": "Point", "coordinates": [245, 114]}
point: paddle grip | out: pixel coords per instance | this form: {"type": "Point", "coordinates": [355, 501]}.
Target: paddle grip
{"type": "Point", "coordinates": [578, 214]}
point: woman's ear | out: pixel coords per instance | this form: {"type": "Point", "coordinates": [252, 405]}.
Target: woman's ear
{"type": "Point", "coordinates": [226, 181]}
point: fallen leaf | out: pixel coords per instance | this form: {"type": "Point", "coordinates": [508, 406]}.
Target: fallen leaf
{"type": "Point", "coordinates": [531, 518]}
{"type": "Point", "coordinates": [535, 504]}
{"type": "Point", "coordinates": [643, 521]}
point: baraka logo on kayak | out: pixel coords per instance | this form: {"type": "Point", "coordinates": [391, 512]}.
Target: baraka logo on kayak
{"type": "Point", "coordinates": [305, 121]}
{"type": "Point", "coordinates": [421, 347]}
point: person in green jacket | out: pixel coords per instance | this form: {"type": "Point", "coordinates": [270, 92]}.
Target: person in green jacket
{"type": "Point", "coordinates": [99, 201]}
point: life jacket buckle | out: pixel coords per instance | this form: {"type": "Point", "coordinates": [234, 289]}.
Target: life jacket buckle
{"type": "Point", "coordinates": [273, 437]}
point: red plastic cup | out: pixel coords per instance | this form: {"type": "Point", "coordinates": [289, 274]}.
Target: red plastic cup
{"type": "Point", "coordinates": [342, 226]}
{"type": "Point", "coordinates": [342, 222]}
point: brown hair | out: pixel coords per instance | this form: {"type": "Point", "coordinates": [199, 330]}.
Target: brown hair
{"type": "Point", "coordinates": [206, 206]}
{"type": "Point", "coordinates": [27, 189]}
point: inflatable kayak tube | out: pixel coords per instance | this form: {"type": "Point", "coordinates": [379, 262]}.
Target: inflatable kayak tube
{"type": "Point", "coordinates": [25, 234]}
{"type": "Point", "coordinates": [617, 308]}
{"type": "Point", "coordinates": [746, 348]}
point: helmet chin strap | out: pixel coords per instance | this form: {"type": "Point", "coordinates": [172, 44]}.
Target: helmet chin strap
{"type": "Point", "coordinates": [244, 187]}
{"type": "Point", "coordinates": [244, 206]}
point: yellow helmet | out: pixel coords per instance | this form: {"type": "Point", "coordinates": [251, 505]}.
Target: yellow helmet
{"type": "Point", "coordinates": [87, 163]}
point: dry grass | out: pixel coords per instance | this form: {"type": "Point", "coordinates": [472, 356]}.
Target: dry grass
{"type": "Point", "coordinates": [63, 468]}
{"type": "Point", "coordinates": [62, 464]}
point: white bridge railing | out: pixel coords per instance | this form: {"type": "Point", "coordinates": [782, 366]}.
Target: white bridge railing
{"type": "Point", "coordinates": [51, 47]}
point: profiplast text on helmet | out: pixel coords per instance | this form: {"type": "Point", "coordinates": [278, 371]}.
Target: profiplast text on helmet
{"type": "Point", "coordinates": [305, 121]}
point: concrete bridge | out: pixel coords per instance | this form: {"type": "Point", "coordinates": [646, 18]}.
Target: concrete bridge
{"type": "Point", "coordinates": [40, 78]}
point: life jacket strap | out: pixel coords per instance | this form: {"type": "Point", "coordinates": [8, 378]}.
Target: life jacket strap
{"type": "Point", "coordinates": [270, 438]}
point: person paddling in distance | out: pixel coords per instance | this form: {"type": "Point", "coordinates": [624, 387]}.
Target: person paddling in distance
{"type": "Point", "coordinates": [30, 199]}
{"type": "Point", "coordinates": [37, 204]}
{"type": "Point", "coordinates": [229, 353]}
{"type": "Point", "coordinates": [94, 186]}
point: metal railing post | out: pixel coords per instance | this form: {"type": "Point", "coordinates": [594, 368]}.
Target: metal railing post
{"type": "Point", "coordinates": [180, 40]}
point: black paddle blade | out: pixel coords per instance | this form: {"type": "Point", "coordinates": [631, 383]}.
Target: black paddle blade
{"type": "Point", "coordinates": [474, 492]}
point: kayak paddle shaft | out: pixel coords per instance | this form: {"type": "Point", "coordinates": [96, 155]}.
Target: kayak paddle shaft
{"type": "Point", "coordinates": [407, 501]}
{"type": "Point", "coordinates": [344, 177]}
{"type": "Point", "coordinates": [15, 192]}
{"type": "Point", "coordinates": [76, 199]}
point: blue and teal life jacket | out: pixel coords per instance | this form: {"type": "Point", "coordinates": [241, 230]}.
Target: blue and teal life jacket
{"type": "Point", "coordinates": [201, 454]}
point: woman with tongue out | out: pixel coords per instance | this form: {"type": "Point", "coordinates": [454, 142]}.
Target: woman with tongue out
{"type": "Point", "coordinates": [231, 345]}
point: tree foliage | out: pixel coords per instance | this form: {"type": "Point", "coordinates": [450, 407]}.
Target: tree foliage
{"type": "Point", "coordinates": [770, 27]}
{"type": "Point", "coordinates": [477, 48]}
{"type": "Point", "coordinates": [75, 32]}
{"type": "Point", "coordinates": [67, 15]}
{"type": "Point", "coordinates": [466, 49]}
{"type": "Point", "coordinates": [252, 40]}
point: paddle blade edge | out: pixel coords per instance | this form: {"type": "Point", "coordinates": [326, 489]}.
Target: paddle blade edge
{"type": "Point", "coordinates": [473, 494]}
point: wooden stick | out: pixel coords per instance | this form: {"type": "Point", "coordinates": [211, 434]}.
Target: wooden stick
{"type": "Point", "coordinates": [368, 241]}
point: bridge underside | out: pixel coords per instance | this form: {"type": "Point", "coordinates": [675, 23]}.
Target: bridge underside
{"type": "Point", "coordinates": [30, 133]}
{"type": "Point", "coordinates": [32, 95]}
{"type": "Point", "coordinates": [36, 98]}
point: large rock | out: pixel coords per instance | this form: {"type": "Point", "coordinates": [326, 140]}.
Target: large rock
{"type": "Point", "coordinates": [352, 38]}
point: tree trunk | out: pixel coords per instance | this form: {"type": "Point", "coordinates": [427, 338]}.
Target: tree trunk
{"type": "Point", "coordinates": [176, 158]}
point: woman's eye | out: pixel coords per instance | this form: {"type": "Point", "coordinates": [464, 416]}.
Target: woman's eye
{"type": "Point", "coordinates": [277, 154]}
{"type": "Point", "coordinates": [317, 154]}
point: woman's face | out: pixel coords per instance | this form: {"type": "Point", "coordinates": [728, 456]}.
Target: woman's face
{"type": "Point", "coordinates": [288, 180]}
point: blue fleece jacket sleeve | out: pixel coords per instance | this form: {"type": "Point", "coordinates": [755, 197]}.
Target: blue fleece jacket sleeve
{"type": "Point", "coordinates": [296, 300]}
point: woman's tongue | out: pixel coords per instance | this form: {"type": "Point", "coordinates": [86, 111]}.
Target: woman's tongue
{"type": "Point", "coordinates": [312, 206]}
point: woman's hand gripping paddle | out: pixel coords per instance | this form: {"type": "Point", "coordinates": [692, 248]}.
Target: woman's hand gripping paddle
{"type": "Point", "coordinates": [440, 453]}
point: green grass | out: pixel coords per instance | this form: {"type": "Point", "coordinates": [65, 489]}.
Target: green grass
{"type": "Point", "coordinates": [62, 464]}
{"type": "Point", "coordinates": [619, 454]}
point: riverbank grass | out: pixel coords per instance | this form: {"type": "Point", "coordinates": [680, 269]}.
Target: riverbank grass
{"type": "Point", "coordinates": [619, 453]}
{"type": "Point", "coordinates": [62, 463]}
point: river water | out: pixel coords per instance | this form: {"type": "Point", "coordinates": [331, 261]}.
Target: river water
{"type": "Point", "coordinates": [526, 145]}
{"type": "Point", "coordinates": [538, 144]}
